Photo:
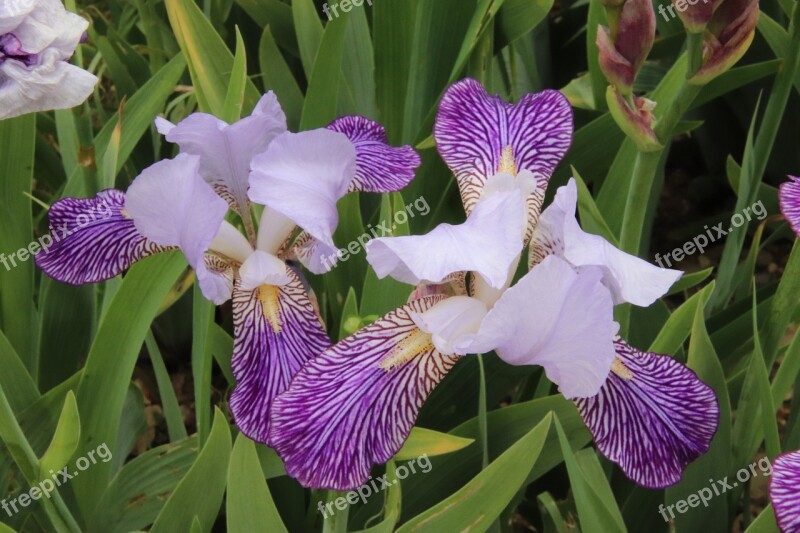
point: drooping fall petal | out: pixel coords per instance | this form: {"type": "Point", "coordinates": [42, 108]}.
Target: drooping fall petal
{"type": "Point", "coordinates": [790, 202]}
{"type": "Point", "coordinates": [354, 405]}
{"type": "Point", "coordinates": [652, 417]}
{"type": "Point", "coordinates": [276, 330]}
{"type": "Point", "coordinates": [784, 491]}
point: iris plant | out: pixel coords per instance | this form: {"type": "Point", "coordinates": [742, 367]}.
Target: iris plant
{"type": "Point", "coordinates": [784, 491]}
{"type": "Point", "coordinates": [253, 166]}
{"type": "Point", "coordinates": [354, 405]}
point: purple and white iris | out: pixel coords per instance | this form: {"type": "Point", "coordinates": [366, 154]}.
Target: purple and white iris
{"type": "Point", "coordinates": [784, 491]}
{"type": "Point", "coordinates": [354, 405]}
{"type": "Point", "coordinates": [37, 39]}
{"type": "Point", "coordinates": [789, 197]}
{"type": "Point", "coordinates": [293, 179]}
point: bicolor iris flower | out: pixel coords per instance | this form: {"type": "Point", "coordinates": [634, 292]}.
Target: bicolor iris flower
{"type": "Point", "coordinates": [789, 197]}
{"type": "Point", "coordinates": [294, 178]}
{"type": "Point", "coordinates": [784, 491]}
{"type": "Point", "coordinates": [37, 39]}
{"type": "Point", "coordinates": [354, 405]}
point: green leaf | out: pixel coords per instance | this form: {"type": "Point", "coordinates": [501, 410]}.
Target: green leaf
{"type": "Point", "coordinates": [480, 502]}
{"type": "Point", "coordinates": [18, 316]}
{"type": "Point", "coordinates": [518, 17]}
{"type": "Point", "coordinates": [200, 492]}
{"type": "Point", "coordinates": [65, 440]}
{"type": "Point", "coordinates": [677, 328]}
{"type": "Point", "coordinates": [351, 320]}
{"type": "Point", "coordinates": [210, 61]}
{"type": "Point", "coordinates": [689, 281]}
{"type": "Point", "coordinates": [250, 506]}
{"type": "Point", "coordinates": [278, 77]}
{"type": "Point", "coordinates": [15, 379]}
{"type": "Point", "coordinates": [111, 361]}
{"type": "Point", "coordinates": [782, 307]}
{"type": "Point", "coordinates": [431, 443]}
{"type": "Point", "coordinates": [234, 99]}
{"type": "Point", "coordinates": [593, 496]}
{"type": "Point", "coordinates": [275, 16]}
{"type": "Point", "coordinates": [309, 33]}
{"type": "Point", "coordinates": [138, 492]}
{"type": "Point", "coordinates": [169, 402]}
{"type": "Point", "coordinates": [319, 108]}
{"type": "Point", "coordinates": [716, 463]}
{"type": "Point", "coordinates": [765, 522]}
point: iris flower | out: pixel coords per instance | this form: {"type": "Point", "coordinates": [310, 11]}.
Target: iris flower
{"type": "Point", "coordinates": [182, 203]}
{"type": "Point", "coordinates": [354, 405]}
{"type": "Point", "coordinates": [37, 38]}
{"type": "Point", "coordinates": [790, 202]}
{"type": "Point", "coordinates": [784, 491]}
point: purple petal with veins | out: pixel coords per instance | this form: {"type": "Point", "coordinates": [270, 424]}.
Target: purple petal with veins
{"type": "Point", "coordinates": [354, 405]}
{"type": "Point", "coordinates": [790, 202]}
{"type": "Point", "coordinates": [784, 491]}
{"type": "Point", "coordinates": [473, 132]}
{"type": "Point", "coordinates": [93, 239]}
{"type": "Point", "coordinates": [380, 167]}
{"type": "Point", "coordinates": [276, 330]}
{"type": "Point", "coordinates": [652, 417]}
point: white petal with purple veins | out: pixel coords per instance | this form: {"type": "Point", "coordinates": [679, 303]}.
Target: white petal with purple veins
{"type": "Point", "coordinates": [652, 417]}
{"type": "Point", "coordinates": [302, 176]}
{"type": "Point", "coordinates": [353, 406]}
{"type": "Point", "coordinates": [790, 202]}
{"type": "Point", "coordinates": [784, 491]}
{"type": "Point", "coordinates": [262, 268]}
{"type": "Point", "coordinates": [452, 322]}
{"type": "Point", "coordinates": [629, 278]}
{"type": "Point", "coordinates": [487, 243]}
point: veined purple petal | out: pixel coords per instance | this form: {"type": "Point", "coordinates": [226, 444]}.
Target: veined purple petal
{"type": "Point", "coordinates": [790, 202]}
{"type": "Point", "coordinates": [380, 167]}
{"type": "Point", "coordinates": [652, 417]}
{"type": "Point", "coordinates": [276, 330]}
{"type": "Point", "coordinates": [315, 255]}
{"type": "Point", "coordinates": [92, 239]}
{"type": "Point", "coordinates": [354, 405]}
{"type": "Point", "coordinates": [784, 491]}
{"type": "Point", "coordinates": [478, 134]}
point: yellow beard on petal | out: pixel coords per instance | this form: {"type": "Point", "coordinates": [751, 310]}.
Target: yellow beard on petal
{"type": "Point", "coordinates": [507, 163]}
{"type": "Point", "coordinates": [622, 371]}
{"type": "Point", "coordinates": [412, 345]}
{"type": "Point", "coordinates": [268, 296]}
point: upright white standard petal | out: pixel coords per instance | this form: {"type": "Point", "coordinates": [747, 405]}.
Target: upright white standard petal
{"type": "Point", "coordinates": [556, 318]}
{"type": "Point", "coordinates": [263, 268]}
{"type": "Point", "coordinates": [172, 206]}
{"type": "Point", "coordinates": [629, 278]}
{"type": "Point", "coordinates": [452, 323]}
{"type": "Point", "coordinates": [487, 243]}
{"type": "Point", "coordinates": [302, 176]}
{"type": "Point", "coordinates": [37, 39]}
{"type": "Point", "coordinates": [227, 150]}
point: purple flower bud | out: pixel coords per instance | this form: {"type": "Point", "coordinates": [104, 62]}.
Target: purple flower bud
{"type": "Point", "coordinates": [729, 34]}
{"type": "Point", "coordinates": [696, 16]}
{"type": "Point", "coordinates": [622, 55]}
{"type": "Point", "coordinates": [637, 121]}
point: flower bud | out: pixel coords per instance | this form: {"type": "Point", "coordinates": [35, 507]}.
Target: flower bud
{"type": "Point", "coordinates": [622, 54]}
{"type": "Point", "coordinates": [696, 14]}
{"type": "Point", "coordinates": [637, 121]}
{"type": "Point", "coordinates": [729, 34]}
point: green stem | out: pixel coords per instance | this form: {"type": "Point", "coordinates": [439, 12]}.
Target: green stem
{"type": "Point", "coordinates": [762, 149]}
{"type": "Point", "coordinates": [337, 523]}
{"type": "Point", "coordinates": [694, 45]}
{"type": "Point", "coordinates": [482, 421]}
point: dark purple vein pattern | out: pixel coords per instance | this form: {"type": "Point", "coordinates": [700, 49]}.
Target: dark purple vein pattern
{"type": "Point", "coordinates": [93, 239]}
{"type": "Point", "coordinates": [790, 202]}
{"type": "Point", "coordinates": [354, 405]}
{"type": "Point", "coordinates": [380, 167]}
{"type": "Point", "coordinates": [276, 330]}
{"type": "Point", "coordinates": [784, 491]}
{"type": "Point", "coordinates": [473, 129]}
{"type": "Point", "coordinates": [654, 421]}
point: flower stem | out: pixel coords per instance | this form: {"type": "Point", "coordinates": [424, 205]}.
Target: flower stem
{"type": "Point", "coordinates": [482, 421]}
{"type": "Point", "coordinates": [694, 45]}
